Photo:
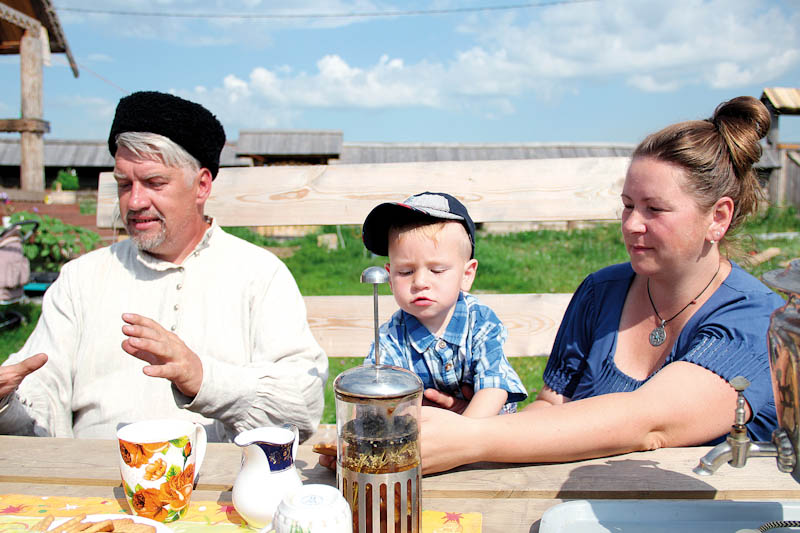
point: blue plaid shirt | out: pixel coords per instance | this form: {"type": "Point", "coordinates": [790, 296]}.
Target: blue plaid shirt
{"type": "Point", "coordinates": [469, 352]}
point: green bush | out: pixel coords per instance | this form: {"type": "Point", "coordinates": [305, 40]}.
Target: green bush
{"type": "Point", "coordinates": [68, 179]}
{"type": "Point", "coordinates": [54, 242]}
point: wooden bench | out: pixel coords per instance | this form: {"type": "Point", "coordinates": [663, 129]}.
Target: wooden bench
{"type": "Point", "coordinates": [510, 192]}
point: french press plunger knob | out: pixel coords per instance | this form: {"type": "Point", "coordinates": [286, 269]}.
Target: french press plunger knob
{"type": "Point", "coordinates": [375, 275]}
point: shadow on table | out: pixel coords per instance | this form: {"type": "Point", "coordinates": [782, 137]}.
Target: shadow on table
{"type": "Point", "coordinates": [627, 479]}
{"type": "Point", "coordinates": [632, 479]}
{"type": "Point", "coordinates": [313, 472]}
{"type": "Point", "coordinates": [119, 495]}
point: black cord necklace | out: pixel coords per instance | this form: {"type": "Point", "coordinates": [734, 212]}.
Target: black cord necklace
{"type": "Point", "coordinates": [659, 334]}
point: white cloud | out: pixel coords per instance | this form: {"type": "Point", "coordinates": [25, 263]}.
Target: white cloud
{"type": "Point", "coordinates": [99, 58]}
{"type": "Point", "coordinates": [547, 52]}
{"type": "Point", "coordinates": [729, 74]}
{"type": "Point", "coordinates": [185, 21]}
{"type": "Point", "coordinates": [388, 83]}
{"type": "Point", "coordinates": [648, 83]}
{"type": "Point", "coordinates": [719, 42]}
{"type": "Point", "coordinates": [93, 107]}
{"type": "Point", "coordinates": [656, 47]}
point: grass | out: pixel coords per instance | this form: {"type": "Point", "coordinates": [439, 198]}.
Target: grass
{"type": "Point", "coordinates": [531, 261]}
{"type": "Point", "coordinates": [13, 339]}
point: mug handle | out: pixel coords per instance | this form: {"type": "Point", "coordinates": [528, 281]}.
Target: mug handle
{"type": "Point", "coordinates": [296, 442]}
{"type": "Point", "coordinates": [201, 439]}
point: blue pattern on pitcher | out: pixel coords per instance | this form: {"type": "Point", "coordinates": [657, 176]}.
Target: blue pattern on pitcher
{"type": "Point", "coordinates": [279, 456]}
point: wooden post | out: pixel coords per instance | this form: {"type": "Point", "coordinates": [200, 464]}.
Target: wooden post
{"type": "Point", "coordinates": [773, 135]}
{"type": "Point", "coordinates": [32, 144]}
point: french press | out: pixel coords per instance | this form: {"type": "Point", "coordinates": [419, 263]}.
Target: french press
{"type": "Point", "coordinates": [377, 422]}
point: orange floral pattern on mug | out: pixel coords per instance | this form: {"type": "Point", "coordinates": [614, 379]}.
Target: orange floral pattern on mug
{"type": "Point", "coordinates": [163, 462]}
{"type": "Point", "coordinates": [135, 455]}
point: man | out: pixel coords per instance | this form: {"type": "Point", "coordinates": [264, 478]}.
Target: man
{"type": "Point", "coordinates": [182, 320]}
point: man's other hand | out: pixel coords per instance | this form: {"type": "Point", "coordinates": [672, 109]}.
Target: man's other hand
{"type": "Point", "coordinates": [12, 375]}
{"type": "Point", "coordinates": [168, 356]}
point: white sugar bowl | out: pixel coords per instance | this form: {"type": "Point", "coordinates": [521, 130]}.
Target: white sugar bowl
{"type": "Point", "coordinates": [313, 509]}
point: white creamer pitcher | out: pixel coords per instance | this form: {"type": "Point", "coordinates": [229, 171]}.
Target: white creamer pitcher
{"type": "Point", "coordinates": [267, 473]}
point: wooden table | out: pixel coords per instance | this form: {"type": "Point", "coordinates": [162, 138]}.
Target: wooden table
{"type": "Point", "coordinates": [511, 498]}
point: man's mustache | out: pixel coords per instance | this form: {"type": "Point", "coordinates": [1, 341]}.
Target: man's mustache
{"type": "Point", "coordinates": [143, 214]}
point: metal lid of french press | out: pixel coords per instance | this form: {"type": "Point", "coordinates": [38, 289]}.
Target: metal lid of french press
{"type": "Point", "coordinates": [378, 382]}
{"type": "Point", "coordinates": [786, 279]}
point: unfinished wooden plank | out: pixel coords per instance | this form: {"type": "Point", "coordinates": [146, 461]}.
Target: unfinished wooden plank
{"type": "Point", "coordinates": [343, 325]}
{"type": "Point", "coordinates": [34, 125]}
{"type": "Point", "coordinates": [493, 191]}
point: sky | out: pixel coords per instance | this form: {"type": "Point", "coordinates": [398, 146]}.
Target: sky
{"type": "Point", "coordinates": [471, 71]}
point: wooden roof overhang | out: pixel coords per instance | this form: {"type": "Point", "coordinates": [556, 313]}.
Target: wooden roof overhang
{"type": "Point", "coordinates": [785, 100]}
{"type": "Point", "coordinates": [16, 16]}
{"type": "Point", "coordinates": [37, 17]}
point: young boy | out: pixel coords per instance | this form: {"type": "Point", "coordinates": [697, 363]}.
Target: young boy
{"type": "Point", "coordinates": [444, 335]}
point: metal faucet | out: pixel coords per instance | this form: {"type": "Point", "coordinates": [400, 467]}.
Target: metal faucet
{"type": "Point", "coordinates": [738, 447]}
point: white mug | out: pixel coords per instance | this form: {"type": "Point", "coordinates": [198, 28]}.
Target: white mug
{"type": "Point", "coordinates": [159, 463]}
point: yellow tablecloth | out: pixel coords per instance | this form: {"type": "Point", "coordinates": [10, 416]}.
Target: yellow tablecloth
{"type": "Point", "coordinates": [19, 512]}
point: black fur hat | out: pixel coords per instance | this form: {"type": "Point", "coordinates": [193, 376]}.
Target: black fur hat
{"type": "Point", "coordinates": [186, 123]}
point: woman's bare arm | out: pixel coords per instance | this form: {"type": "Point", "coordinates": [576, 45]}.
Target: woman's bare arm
{"type": "Point", "coordinates": [684, 404]}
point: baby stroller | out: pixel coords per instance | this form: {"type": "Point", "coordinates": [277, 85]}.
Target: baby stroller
{"type": "Point", "coordinates": [14, 269]}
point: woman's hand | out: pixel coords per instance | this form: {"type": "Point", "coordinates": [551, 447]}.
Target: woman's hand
{"type": "Point", "coordinates": [446, 440]}
{"type": "Point", "coordinates": [328, 461]}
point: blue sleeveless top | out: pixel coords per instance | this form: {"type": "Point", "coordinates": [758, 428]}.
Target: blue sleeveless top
{"type": "Point", "coordinates": [727, 335]}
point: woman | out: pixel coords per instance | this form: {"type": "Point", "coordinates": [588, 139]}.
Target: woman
{"type": "Point", "coordinates": [645, 351]}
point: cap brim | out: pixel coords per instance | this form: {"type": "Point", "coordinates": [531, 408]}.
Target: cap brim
{"type": "Point", "coordinates": [375, 231]}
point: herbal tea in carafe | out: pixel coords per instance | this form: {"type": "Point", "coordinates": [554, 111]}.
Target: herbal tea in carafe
{"type": "Point", "coordinates": [377, 413]}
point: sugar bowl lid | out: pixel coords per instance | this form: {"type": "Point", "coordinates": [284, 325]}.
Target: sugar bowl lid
{"type": "Point", "coordinates": [786, 280]}
{"type": "Point", "coordinates": [315, 509]}
{"type": "Point", "coordinates": [377, 381]}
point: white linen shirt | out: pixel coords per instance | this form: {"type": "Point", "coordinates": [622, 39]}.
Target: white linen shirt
{"type": "Point", "coordinates": [234, 304]}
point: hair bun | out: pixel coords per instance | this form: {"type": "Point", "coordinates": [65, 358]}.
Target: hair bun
{"type": "Point", "coordinates": [742, 122]}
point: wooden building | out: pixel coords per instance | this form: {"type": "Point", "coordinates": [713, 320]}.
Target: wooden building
{"type": "Point", "coordinates": [289, 147]}
{"type": "Point", "coordinates": [31, 29]}
{"type": "Point", "coordinates": [784, 181]}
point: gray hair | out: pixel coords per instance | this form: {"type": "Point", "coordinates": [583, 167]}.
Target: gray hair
{"type": "Point", "coordinates": [154, 146]}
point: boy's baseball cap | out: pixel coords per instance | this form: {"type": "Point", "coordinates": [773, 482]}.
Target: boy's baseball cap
{"type": "Point", "coordinates": [417, 208]}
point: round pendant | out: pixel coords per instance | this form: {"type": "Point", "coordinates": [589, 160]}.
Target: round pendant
{"type": "Point", "coordinates": [658, 336]}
